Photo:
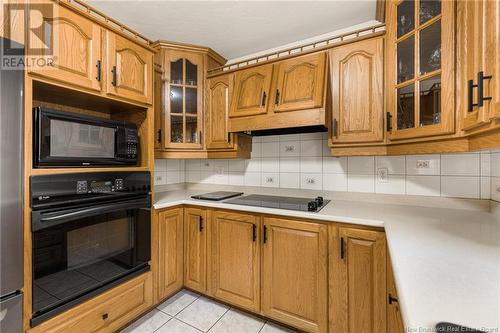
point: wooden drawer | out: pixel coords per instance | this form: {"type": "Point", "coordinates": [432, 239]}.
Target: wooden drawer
{"type": "Point", "coordinates": [106, 312]}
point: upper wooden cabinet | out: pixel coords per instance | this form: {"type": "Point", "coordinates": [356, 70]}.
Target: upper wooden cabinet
{"type": "Point", "coordinates": [85, 54]}
{"type": "Point", "coordinates": [130, 69]}
{"type": "Point", "coordinates": [299, 83]}
{"type": "Point", "coordinates": [478, 77]}
{"type": "Point", "coordinates": [359, 297]}
{"type": "Point", "coordinates": [170, 252]}
{"type": "Point", "coordinates": [235, 259]}
{"type": "Point", "coordinates": [294, 276]}
{"type": "Point", "coordinates": [357, 78]}
{"type": "Point", "coordinates": [195, 249]}
{"type": "Point", "coordinates": [289, 93]}
{"type": "Point", "coordinates": [76, 48]}
{"type": "Point", "coordinates": [218, 99]}
{"type": "Point", "coordinates": [184, 81]}
{"type": "Point", "coordinates": [420, 68]}
{"type": "Point", "coordinates": [251, 91]}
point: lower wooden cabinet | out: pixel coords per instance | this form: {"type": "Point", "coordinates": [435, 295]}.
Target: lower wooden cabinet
{"type": "Point", "coordinates": [294, 273]}
{"type": "Point", "coordinates": [195, 249]}
{"type": "Point", "coordinates": [358, 294]}
{"type": "Point", "coordinates": [170, 252]}
{"type": "Point", "coordinates": [104, 313]}
{"type": "Point", "coordinates": [234, 268]}
{"type": "Point", "coordinates": [394, 318]}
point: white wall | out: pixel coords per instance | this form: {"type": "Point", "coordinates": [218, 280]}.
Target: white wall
{"type": "Point", "coordinates": [303, 161]}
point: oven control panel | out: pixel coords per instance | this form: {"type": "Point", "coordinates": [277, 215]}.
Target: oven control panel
{"type": "Point", "coordinates": [99, 186]}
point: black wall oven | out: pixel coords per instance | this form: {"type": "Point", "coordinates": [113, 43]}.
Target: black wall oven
{"type": "Point", "coordinates": [65, 139]}
{"type": "Point", "coordinates": [90, 232]}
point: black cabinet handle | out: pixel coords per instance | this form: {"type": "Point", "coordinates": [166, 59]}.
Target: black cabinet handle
{"type": "Point", "coordinates": [388, 116]}
{"type": "Point", "coordinates": [264, 97]}
{"type": "Point", "coordinates": [470, 95]}
{"type": "Point", "coordinates": [342, 254]}
{"type": "Point", "coordinates": [254, 232]}
{"type": "Point", "coordinates": [265, 234]}
{"type": "Point", "coordinates": [277, 99]}
{"type": "Point", "coordinates": [99, 68]}
{"type": "Point", "coordinates": [392, 299]}
{"type": "Point", "coordinates": [113, 77]}
{"type": "Point", "coordinates": [228, 137]}
{"type": "Point", "coordinates": [335, 127]}
{"type": "Point", "coordinates": [200, 223]}
{"type": "Point", "coordinates": [480, 88]}
{"type": "Point", "coordinates": [159, 135]}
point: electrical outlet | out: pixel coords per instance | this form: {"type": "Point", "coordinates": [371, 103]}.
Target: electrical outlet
{"type": "Point", "coordinates": [310, 181]}
{"type": "Point", "coordinates": [383, 175]}
{"type": "Point", "coordinates": [289, 149]}
{"type": "Point", "coordinates": [269, 180]}
{"type": "Point", "coordinates": [423, 164]}
{"type": "Point", "coordinates": [219, 171]}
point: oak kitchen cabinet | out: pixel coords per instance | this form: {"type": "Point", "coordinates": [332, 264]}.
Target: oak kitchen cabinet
{"type": "Point", "coordinates": [130, 69]}
{"type": "Point", "coordinates": [358, 282]}
{"type": "Point", "coordinates": [192, 112]}
{"type": "Point", "coordinates": [295, 273]}
{"type": "Point", "coordinates": [420, 68]}
{"type": "Point", "coordinates": [288, 93]}
{"type": "Point", "coordinates": [106, 312]}
{"type": "Point", "coordinates": [357, 79]}
{"type": "Point", "coordinates": [394, 318]}
{"type": "Point", "coordinates": [76, 48]}
{"type": "Point", "coordinates": [170, 251]}
{"type": "Point", "coordinates": [235, 254]}
{"type": "Point", "coordinates": [478, 73]}
{"type": "Point", "coordinates": [195, 249]}
{"type": "Point", "coordinates": [89, 56]}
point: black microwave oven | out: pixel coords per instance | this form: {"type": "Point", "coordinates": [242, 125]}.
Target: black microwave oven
{"type": "Point", "coordinates": [66, 139]}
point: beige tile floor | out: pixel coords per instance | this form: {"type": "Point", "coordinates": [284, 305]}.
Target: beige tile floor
{"type": "Point", "coordinates": [187, 312]}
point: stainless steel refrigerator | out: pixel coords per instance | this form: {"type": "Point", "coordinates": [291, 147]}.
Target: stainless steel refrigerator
{"type": "Point", "coordinates": [11, 196]}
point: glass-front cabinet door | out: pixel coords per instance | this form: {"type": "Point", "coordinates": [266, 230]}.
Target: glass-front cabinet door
{"type": "Point", "coordinates": [183, 100]}
{"type": "Point", "coordinates": [420, 68]}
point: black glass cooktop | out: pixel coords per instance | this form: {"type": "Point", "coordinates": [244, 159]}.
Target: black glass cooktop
{"type": "Point", "coordinates": [271, 201]}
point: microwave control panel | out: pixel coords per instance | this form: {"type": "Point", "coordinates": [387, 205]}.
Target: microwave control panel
{"type": "Point", "coordinates": [131, 143]}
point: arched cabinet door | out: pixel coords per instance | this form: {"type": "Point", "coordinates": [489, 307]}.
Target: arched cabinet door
{"type": "Point", "coordinates": [68, 50]}
{"type": "Point", "coordinates": [299, 83]}
{"type": "Point", "coordinates": [217, 116]}
{"type": "Point", "coordinates": [357, 92]}
{"type": "Point", "coordinates": [251, 91]}
{"type": "Point", "coordinates": [129, 69]}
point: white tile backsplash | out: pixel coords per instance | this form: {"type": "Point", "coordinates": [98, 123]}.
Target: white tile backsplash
{"type": "Point", "coordinates": [364, 165]}
{"type": "Point", "coordinates": [423, 185]}
{"type": "Point", "coordinates": [361, 183]}
{"type": "Point", "coordinates": [461, 187]}
{"type": "Point", "coordinates": [304, 161]}
{"type": "Point", "coordinates": [461, 164]}
{"type": "Point", "coordinates": [395, 184]}
{"type": "Point", "coordinates": [395, 165]}
{"type": "Point", "coordinates": [270, 149]}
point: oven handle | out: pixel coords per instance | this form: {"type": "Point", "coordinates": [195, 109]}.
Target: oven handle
{"type": "Point", "coordinates": [39, 221]}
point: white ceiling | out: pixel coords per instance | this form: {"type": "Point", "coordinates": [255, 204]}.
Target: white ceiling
{"type": "Point", "coordinates": [237, 28]}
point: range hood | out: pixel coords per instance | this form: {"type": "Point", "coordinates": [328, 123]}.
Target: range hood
{"type": "Point", "coordinates": [289, 130]}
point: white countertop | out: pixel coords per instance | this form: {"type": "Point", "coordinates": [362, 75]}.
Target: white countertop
{"type": "Point", "coordinates": [446, 261]}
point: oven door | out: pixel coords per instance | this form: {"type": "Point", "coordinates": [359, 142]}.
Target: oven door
{"type": "Point", "coordinates": [79, 252]}
{"type": "Point", "coordinates": [64, 139]}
